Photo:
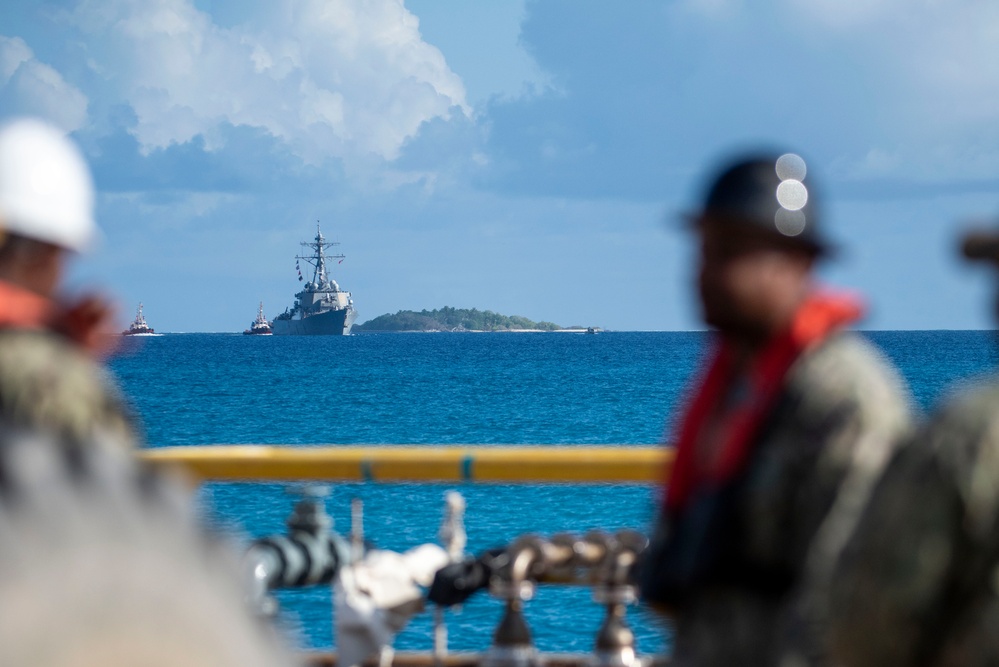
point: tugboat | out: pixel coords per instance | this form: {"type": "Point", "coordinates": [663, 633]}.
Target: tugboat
{"type": "Point", "coordinates": [259, 326]}
{"type": "Point", "coordinates": [321, 308]}
{"type": "Point", "coordinates": [138, 327]}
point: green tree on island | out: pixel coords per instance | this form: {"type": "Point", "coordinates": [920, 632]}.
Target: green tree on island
{"type": "Point", "coordinates": [451, 319]}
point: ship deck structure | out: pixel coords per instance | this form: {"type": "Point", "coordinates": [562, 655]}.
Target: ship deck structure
{"type": "Point", "coordinates": [321, 308]}
{"type": "Point", "coordinates": [259, 326]}
{"type": "Point", "coordinates": [139, 327]}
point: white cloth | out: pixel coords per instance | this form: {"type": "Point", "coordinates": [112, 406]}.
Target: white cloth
{"type": "Point", "coordinates": [374, 599]}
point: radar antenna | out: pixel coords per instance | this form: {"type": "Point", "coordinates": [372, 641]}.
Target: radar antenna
{"type": "Point", "coordinates": [318, 258]}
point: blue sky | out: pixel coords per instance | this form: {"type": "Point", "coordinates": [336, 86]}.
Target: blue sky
{"type": "Point", "coordinates": [524, 157]}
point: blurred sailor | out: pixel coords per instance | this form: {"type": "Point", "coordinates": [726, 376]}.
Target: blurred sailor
{"type": "Point", "coordinates": [104, 562]}
{"type": "Point", "coordinates": [918, 583]}
{"type": "Point", "coordinates": [48, 378]}
{"type": "Point", "coordinates": [784, 431]}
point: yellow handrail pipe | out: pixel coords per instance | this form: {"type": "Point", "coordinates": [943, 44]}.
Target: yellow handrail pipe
{"type": "Point", "coordinates": [420, 463]}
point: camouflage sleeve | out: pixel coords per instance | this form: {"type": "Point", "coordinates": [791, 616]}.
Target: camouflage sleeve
{"type": "Point", "coordinates": [891, 579]}
{"type": "Point", "coordinates": [926, 546]}
{"type": "Point", "coordinates": [105, 560]}
{"type": "Point", "coordinates": [860, 412]}
{"type": "Point", "coordinates": [853, 412]}
{"type": "Point", "coordinates": [845, 413]}
{"type": "Point", "coordinates": [46, 383]}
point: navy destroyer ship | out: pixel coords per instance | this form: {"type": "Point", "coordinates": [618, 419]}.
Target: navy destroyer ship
{"type": "Point", "coordinates": [321, 308]}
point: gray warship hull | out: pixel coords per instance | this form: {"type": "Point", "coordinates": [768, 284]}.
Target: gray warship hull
{"type": "Point", "coordinates": [329, 323]}
{"type": "Point", "coordinates": [321, 308]}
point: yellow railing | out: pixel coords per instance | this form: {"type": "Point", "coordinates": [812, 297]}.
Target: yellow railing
{"type": "Point", "coordinates": [423, 463]}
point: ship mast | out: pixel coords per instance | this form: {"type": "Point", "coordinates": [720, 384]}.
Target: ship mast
{"type": "Point", "coordinates": [318, 247]}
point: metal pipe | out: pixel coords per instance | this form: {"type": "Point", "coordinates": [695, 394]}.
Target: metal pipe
{"type": "Point", "coordinates": [469, 463]}
{"type": "Point", "coordinates": [311, 553]}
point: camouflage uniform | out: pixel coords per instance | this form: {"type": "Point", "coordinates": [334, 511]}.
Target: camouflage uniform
{"type": "Point", "coordinates": [47, 383]}
{"type": "Point", "coordinates": [838, 414]}
{"type": "Point", "coordinates": [104, 561]}
{"type": "Point", "coordinates": [918, 583]}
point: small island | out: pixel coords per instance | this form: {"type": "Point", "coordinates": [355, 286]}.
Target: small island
{"type": "Point", "coordinates": [456, 319]}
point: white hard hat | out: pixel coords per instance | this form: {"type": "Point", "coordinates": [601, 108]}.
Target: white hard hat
{"type": "Point", "coordinates": [46, 192]}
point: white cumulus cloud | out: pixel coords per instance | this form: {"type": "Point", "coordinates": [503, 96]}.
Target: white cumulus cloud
{"type": "Point", "coordinates": [850, 14]}
{"type": "Point", "coordinates": [949, 51]}
{"type": "Point", "coordinates": [345, 78]}
{"type": "Point", "coordinates": [934, 66]}
{"type": "Point", "coordinates": [33, 88]}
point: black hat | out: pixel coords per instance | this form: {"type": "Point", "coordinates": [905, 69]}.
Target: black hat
{"type": "Point", "coordinates": [981, 245]}
{"type": "Point", "coordinates": [769, 193]}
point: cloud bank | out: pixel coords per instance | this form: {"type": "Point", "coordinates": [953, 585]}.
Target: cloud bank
{"type": "Point", "coordinates": [649, 92]}
{"type": "Point", "coordinates": [350, 79]}
{"type": "Point", "coordinates": [32, 88]}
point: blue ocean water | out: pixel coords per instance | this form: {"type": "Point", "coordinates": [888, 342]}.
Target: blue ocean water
{"type": "Point", "coordinates": [424, 389]}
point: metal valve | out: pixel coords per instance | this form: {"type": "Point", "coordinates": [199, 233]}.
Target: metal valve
{"type": "Point", "coordinates": [615, 644]}
{"type": "Point", "coordinates": [514, 583]}
{"type": "Point", "coordinates": [310, 553]}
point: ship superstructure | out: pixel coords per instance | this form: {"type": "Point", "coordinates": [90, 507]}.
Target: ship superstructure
{"type": "Point", "coordinates": [321, 308]}
{"type": "Point", "coordinates": [138, 327]}
{"type": "Point", "coordinates": [259, 326]}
